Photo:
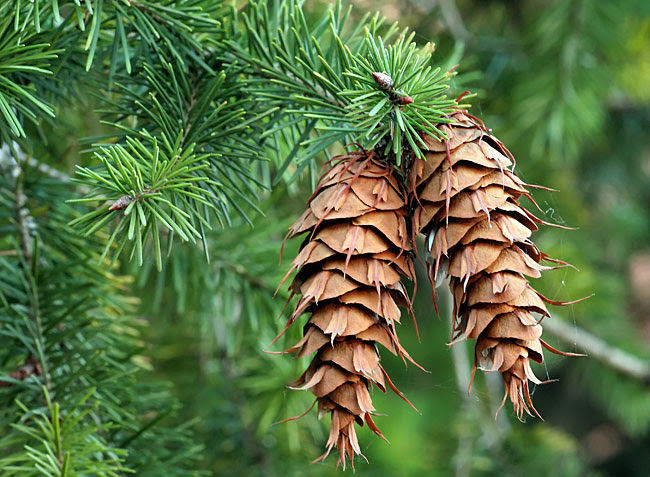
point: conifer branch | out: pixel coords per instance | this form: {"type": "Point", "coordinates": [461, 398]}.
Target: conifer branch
{"type": "Point", "coordinates": [26, 229]}
{"type": "Point", "coordinates": [22, 217]}
{"type": "Point", "coordinates": [48, 170]}
{"type": "Point", "coordinates": [57, 315]}
{"type": "Point", "coordinates": [24, 60]}
{"type": "Point", "coordinates": [453, 19]}
{"type": "Point", "coordinates": [328, 74]}
{"type": "Point", "coordinates": [206, 105]}
{"type": "Point", "coordinates": [595, 347]}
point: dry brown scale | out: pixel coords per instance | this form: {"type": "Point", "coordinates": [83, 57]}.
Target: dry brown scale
{"type": "Point", "coordinates": [349, 271]}
{"type": "Point", "coordinates": [465, 202]}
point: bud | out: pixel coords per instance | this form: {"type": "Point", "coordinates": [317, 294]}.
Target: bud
{"type": "Point", "coordinates": [384, 81]}
{"type": "Point", "coordinates": [121, 203]}
{"type": "Point", "coordinates": [401, 98]}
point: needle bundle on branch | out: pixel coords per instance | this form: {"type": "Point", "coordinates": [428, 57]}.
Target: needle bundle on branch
{"type": "Point", "coordinates": [349, 271]}
{"type": "Point", "coordinates": [466, 203]}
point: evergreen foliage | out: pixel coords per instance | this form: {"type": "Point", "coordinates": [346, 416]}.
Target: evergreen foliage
{"type": "Point", "coordinates": [71, 400]}
{"type": "Point", "coordinates": [188, 125]}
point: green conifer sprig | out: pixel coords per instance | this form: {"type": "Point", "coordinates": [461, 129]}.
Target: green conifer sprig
{"type": "Point", "coordinates": [150, 187]}
{"type": "Point", "coordinates": [24, 57]}
{"type": "Point", "coordinates": [61, 443]}
{"type": "Point", "coordinates": [182, 99]}
{"type": "Point", "coordinates": [206, 167]}
{"type": "Point", "coordinates": [210, 111]}
{"type": "Point", "coordinates": [402, 105]}
{"type": "Point", "coordinates": [298, 69]}
{"type": "Point", "coordinates": [322, 78]}
{"type": "Point", "coordinates": [128, 28]}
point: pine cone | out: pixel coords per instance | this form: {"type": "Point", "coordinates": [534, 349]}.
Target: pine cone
{"type": "Point", "coordinates": [466, 204]}
{"type": "Point", "coordinates": [349, 271]}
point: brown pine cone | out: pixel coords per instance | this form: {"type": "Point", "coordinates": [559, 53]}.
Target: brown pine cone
{"type": "Point", "coordinates": [349, 272]}
{"type": "Point", "coordinates": [466, 204]}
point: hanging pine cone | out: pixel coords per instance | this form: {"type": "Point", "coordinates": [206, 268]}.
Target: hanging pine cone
{"type": "Point", "coordinates": [350, 265]}
{"type": "Point", "coordinates": [466, 204]}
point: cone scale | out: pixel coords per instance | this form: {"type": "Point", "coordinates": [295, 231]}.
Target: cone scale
{"type": "Point", "coordinates": [466, 203]}
{"type": "Point", "coordinates": [350, 268]}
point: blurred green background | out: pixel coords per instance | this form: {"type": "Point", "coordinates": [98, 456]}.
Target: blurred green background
{"type": "Point", "coordinates": [566, 86]}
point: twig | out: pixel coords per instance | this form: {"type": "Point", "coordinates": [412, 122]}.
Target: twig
{"type": "Point", "coordinates": [453, 19]}
{"type": "Point", "coordinates": [597, 348]}
{"type": "Point", "coordinates": [48, 170]}
{"type": "Point", "coordinates": [7, 160]}
{"type": "Point", "coordinates": [24, 221]}
{"type": "Point", "coordinates": [256, 282]}
{"type": "Point", "coordinates": [26, 227]}
{"type": "Point", "coordinates": [492, 431]}
{"type": "Point", "coordinates": [494, 386]}
{"type": "Point", "coordinates": [463, 457]}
